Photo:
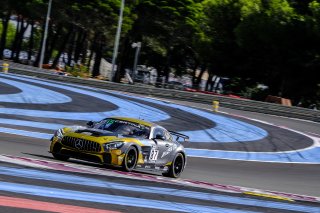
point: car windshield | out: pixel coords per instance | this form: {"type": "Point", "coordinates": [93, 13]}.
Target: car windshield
{"type": "Point", "coordinates": [125, 128]}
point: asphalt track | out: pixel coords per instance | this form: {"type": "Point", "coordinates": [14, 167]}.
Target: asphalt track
{"type": "Point", "coordinates": [234, 150]}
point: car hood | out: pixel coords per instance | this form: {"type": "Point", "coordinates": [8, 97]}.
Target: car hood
{"type": "Point", "coordinates": [97, 135]}
{"type": "Point", "coordinates": [96, 132]}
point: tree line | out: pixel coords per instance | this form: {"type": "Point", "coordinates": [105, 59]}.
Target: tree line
{"type": "Point", "coordinates": [270, 42]}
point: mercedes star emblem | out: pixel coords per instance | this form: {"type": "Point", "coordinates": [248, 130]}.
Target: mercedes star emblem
{"type": "Point", "coordinates": [79, 144]}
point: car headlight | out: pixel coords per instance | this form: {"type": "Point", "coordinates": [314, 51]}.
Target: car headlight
{"type": "Point", "coordinates": [113, 145]}
{"type": "Point", "coordinates": [58, 133]}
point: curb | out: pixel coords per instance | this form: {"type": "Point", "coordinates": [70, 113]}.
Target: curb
{"type": "Point", "coordinates": [68, 167]}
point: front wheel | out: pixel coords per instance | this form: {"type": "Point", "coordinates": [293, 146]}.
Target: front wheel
{"type": "Point", "coordinates": [176, 167]}
{"type": "Point", "coordinates": [130, 159]}
{"type": "Point", "coordinates": [60, 157]}
{"type": "Point", "coordinates": [55, 152]}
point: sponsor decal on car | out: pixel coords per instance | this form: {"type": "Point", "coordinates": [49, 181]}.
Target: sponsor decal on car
{"type": "Point", "coordinates": [169, 150]}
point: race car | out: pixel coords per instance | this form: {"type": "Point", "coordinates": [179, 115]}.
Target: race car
{"type": "Point", "coordinates": [123, 142]}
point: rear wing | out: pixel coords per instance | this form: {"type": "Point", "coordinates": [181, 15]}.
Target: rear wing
{"type": "Point", "coordinates": [179, 136]}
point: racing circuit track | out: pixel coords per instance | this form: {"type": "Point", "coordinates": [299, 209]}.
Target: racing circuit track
{"type": "Point", "coordinates": [232, 148]}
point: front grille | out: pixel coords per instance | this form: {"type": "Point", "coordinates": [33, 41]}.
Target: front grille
{"type": "Point", "coordinates": [81, 144]}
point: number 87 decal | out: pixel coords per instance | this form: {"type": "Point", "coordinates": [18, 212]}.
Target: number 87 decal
{"type": "Point", "coordinates": [154, 154]}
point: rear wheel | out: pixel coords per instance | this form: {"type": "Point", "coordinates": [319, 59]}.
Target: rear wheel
{"type": "Point", "coordinates": [176, 167]}
{"type": "Point", "coordinates": [55, 152]}
{"type": "Point", "coordinates": [130, 159]}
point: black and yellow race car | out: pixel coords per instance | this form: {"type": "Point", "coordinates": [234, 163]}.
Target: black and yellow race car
{"type": "Point", "coordinates": [123, 142]}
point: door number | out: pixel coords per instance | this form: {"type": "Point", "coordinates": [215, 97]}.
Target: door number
{"type": "Point", "coordinates": [154, 154]}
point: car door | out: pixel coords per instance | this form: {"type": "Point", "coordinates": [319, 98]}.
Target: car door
{"type": "Point", "coordinates": [163, 147]}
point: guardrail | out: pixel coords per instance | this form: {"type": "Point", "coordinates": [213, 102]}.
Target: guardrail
{"type": "Point", "coordinates": [234, 103]}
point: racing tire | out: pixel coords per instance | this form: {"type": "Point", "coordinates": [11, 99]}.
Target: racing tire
{"type": "Point", "coordinates": [55, 152]}
{"type": "Point", "coordinates": [176, 167]}
{"type": "Point", "coordinates": [60, 157]}
{"type": "Point", "coordinates": [130, 159]}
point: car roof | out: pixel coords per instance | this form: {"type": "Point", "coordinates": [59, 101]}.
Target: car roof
{"type": "Point", "coordinates": [134, 120]}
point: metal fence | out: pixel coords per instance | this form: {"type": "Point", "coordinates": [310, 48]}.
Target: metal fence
{"type": "Point", "coordinates": [234, 103]}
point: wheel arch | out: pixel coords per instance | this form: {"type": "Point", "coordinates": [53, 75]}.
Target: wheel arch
{"type": "Point", "coordinates": [136, 146]}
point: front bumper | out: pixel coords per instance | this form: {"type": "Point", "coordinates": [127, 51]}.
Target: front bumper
{"type": "Point", "coordinates": [112, 157]}
{"type": "Point", "coordinates": [106, 158]}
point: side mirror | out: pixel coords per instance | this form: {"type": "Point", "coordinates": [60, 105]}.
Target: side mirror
{"type": "Point", "coordinates": [90, 123]}
{"type": "Point", "coordinates": [160, 137]}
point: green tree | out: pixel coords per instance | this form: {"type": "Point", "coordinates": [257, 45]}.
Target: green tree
{"type": "Point", "coordinates": [279, 46]}
{"type": "Point", "coordinates": [9, 35]}
{"type": "Point", "coordinates": [223, 56]}
{"type": "Point", "coordinates": [5, 13]}
{"type": "Point", "coordinates": [166, 30]}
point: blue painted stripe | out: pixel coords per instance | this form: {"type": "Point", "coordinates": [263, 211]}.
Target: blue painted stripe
{"type": "Point", "coordinates": [110, 199]}
{"type": "Point", "coordinates": [73, 179]}
{"type": "Point", "coordinates": [32, 94]}
{"type": "Point", "coordinates": [40, 125]}
{"type": "Point", "coordinates": [25, 133]}
{"type": "Point", "coordinates": [226, 129]}
{"type": "Point", "coordinates": [126, 108]}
